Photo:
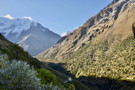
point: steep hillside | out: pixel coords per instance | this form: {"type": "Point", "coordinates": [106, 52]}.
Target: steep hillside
{"type": "Point", "coordinates": [114, 22]}
{"type": "Point", "coordinates": [100, 53]}
{"type": "Point", "coordinates": [4, 43]}
{"type": "Point", "coordinates": [46, 73]}
{"type": "Point", "coordinates": [15, 52]}
{"type": "Point", "coordinates": [30, 35]}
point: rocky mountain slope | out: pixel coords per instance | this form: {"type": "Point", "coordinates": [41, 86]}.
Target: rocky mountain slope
{"type": "Point", "coordinates": [100, 53]}
{"type": "Point", "coordinates": [114, 22]}
{"type": "Point", "coordinates": [30, 35]}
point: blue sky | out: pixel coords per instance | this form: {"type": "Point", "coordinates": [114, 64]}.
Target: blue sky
{"type": "Point", "coordinates": [57, 15]}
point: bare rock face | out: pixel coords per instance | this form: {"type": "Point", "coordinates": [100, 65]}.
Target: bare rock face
{"type": "Point", "coordinates": [115, 1]}
{"type": "Point", "coordinates": [114, 22]}
{"type": "Point", "coordinates": [133, 28]}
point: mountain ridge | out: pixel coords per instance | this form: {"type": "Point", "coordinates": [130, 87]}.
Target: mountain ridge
{"type": "Point", "coordinates": [99, 27]}
{"type": "Point", "coordinates": [30, 35]}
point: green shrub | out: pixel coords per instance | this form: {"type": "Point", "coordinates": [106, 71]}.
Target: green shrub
{"type": "Point", "coordinates": [18, 75]}
{"type": "Point", "coordinates": [46, 77]}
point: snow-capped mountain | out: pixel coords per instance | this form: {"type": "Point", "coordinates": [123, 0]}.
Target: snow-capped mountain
{"type": "Point", "coordinates": [65, 34]}
{"type": "Point", "coordinates": [30, 35]}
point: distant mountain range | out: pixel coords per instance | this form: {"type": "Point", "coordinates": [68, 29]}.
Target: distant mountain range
{"type": "Point", "coordinates": [30, 35]}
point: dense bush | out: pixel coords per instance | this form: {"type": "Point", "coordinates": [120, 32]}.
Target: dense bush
{"type": "Point", "coordinates": [18, 75]}
{"type": "Point", "coordinates": [46, 77]}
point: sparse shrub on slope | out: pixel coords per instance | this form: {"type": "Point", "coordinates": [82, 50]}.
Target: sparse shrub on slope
{"type": "Point", "coordinates": [113, 64]}
{"type": "Point", "coordinates": [16, 52]}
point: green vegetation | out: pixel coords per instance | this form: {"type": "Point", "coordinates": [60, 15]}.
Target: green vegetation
{"type": "Point", "coordinates": [114, 61]}
{"type": "Point", "coordinates": [17, 75]}
{"type": "Point", "coordinates": [21, 65]}
{"type": "Point", "coordinates": [15, 52]}
{"type": "Point", "coordinates": [46, 77]}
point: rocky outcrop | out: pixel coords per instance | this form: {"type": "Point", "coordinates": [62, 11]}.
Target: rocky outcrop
{"type": "Point", "coordinates": [133, 28]}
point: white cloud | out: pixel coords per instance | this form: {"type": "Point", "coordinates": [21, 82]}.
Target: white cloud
{"type": "Point", "coordinates": [8, 16]}
{"type": "Point", "coordinates": [30, 18]}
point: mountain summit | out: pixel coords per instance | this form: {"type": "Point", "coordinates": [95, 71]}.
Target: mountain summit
{"type": "Point", "coordinates": [8, 16]}
{"type": "Point", "coordinates": [30, 35]}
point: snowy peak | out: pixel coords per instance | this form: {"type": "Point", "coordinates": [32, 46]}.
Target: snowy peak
{"type": "Point", "coordinates": [30, 18]}
{"type": "Point", "coordinates": [9, 16]}
{"type": "Point", "coordinates": [30, 35]}
{"type": "Point", "coordinates": [10, 25]}
{"type": "Point", "coordinates": [65, 34]}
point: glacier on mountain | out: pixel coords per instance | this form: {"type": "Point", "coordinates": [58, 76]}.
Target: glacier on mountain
{"type": "Point", "coordinates": [8, 25]}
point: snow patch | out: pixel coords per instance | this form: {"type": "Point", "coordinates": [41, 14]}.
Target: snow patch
{"type": "Point", "coordinates": [24, 38]}
{"type": "Point", "coordinates": [21, 25]}
{"type": "Point", "coordinates": [25, 47]}
{"type": "Point", "coordinates": [64, 34]}
{"type": "Point", "coordinates": [30, 18]}
{"type": "Point", "coordinates": [9, 16]}
{"type": "Point", "coordinates": [15, 25]}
